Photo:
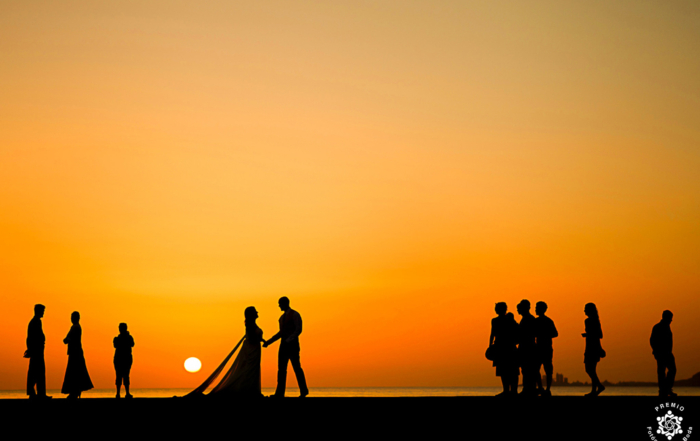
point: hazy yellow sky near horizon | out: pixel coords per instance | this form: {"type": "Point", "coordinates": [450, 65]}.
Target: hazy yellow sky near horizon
{"type": "Point", "coordinates": [394, 167]}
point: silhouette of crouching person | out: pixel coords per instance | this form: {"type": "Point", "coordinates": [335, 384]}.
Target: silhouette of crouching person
{"type": "Point", "coordinates": [290, 328]}
{"type": "Point", "coordinates": [123, 359]}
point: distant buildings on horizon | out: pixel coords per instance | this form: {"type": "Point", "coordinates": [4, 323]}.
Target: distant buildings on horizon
{"type": "Point", "coordinates": [560, 380]}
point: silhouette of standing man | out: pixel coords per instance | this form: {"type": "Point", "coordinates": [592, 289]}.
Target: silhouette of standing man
{"type": "Point", "coordinates": [546, 331]}
{"type": "Point", "coordinates": [662, 346]}
{"type": "Point", "coordinates": [36, 375]}
{"type": "Point", "coordinates": [290, 328]}
{"type": "Point", "coordinates": [527, 330]}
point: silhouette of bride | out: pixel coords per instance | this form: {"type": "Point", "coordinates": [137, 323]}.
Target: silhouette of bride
{"type": "Point", "coordinates": [243, 377]}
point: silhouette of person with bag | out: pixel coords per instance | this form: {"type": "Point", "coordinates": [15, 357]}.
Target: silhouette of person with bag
{"type": "Point", "coordinates": [502, 349]}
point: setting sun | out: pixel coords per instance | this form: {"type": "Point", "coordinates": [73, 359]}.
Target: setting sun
{"type": "Point", "coordinates": [193, 364]}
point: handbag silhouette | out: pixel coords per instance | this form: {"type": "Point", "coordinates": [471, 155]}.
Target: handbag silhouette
{"type": "Point", "coordinates": [491, 353]}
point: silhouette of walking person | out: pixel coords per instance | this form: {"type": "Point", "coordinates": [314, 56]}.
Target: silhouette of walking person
{"type": "Point", "coordinates": [290, 328]}
{"type": "Point", "coordinates": [527, 354]}
{"type": "Point", "coordinates": [545, 331]}
{"type": "Point", "coordinates": [662, 346]}
{"type": "Point", "coordinates": [123, 359]}
{"type": "Point", "coordinates": [36, 374]}
{"type": "Point", "coordinates": [502, 346]}
{"type": "Point", "coordinates": [594, 351]}
{"type": "Point", "coordinates": [77, 379]}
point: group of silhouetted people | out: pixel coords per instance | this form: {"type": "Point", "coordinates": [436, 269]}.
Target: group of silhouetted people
{"type": "Point", "coordinates": [77, 379]}
{"type": "Point", "coordinates": [242, 380]}
{"type": "Point", "coordinates": [526, 347]}
{"type": "Point", "coordinates": [515, 348]}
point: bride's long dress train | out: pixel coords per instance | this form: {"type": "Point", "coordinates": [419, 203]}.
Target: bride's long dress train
{"type": "Point", "coordinates": [243, 377]}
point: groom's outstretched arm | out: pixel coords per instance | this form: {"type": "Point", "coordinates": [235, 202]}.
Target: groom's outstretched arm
{"type": "Point", "coordinates": [272, 340]}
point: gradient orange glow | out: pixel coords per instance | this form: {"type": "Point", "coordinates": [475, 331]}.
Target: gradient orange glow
{"type": "Point", "coordinates": [394, 167]}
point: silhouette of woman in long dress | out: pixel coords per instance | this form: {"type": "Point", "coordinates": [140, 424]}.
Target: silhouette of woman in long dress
{"type": "Point", "coordinates": [77, 378]}
{"type": "Point", "coordinates": [594, 351]}
{"type": "Point", "coordinates": [502, 344]}
{"type": "Point", "coordinates": [243, 379]}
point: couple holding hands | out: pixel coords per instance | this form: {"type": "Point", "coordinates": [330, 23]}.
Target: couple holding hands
{"type": "Point", "coordinates": [243, 379]}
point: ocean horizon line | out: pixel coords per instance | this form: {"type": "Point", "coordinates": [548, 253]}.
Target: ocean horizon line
{"type": "Point", "coordinates": [373, 391]}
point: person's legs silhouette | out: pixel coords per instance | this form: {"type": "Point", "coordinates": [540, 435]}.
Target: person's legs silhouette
{"type": "Point", "coordinates": [282, 362]}
{"type": "Point", "coordinates": [299, 372]}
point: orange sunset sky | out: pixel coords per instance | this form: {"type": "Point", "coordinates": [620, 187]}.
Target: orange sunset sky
{"type": "Point", "coordinates": [394, 167]}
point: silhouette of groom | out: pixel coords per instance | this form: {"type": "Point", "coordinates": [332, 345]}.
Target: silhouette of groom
{"type": "Point", "coordinates": [36, 376]}
{"type": "Point", "coordinates": [290, 328]}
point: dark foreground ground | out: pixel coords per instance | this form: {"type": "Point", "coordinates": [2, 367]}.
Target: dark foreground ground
{"type": "Point", "coordinates": [560, 418]}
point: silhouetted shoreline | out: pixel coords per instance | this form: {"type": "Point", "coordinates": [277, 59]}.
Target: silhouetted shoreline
{"type": "Point", "coordinates": [370, 392]}
{"type": "Point", "coordinates": [614, 417]}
